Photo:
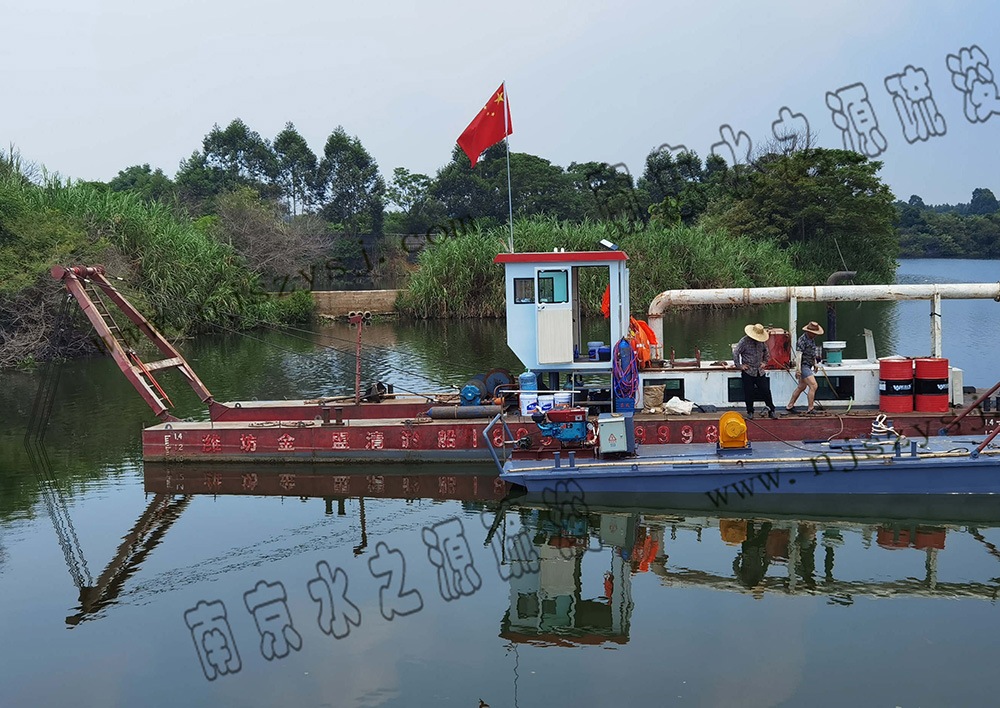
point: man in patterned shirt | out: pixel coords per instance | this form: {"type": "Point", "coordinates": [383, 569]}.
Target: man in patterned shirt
{"type": "Point", "coordinates": [750, 356]}
{"type": "Point", "coordinates": [807, 370]}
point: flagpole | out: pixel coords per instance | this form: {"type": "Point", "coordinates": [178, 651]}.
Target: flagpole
{"type": "Point", "coordinates": [506, 139]}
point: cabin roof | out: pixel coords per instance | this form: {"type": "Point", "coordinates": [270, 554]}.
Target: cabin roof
{"type": "Point", "coordinates": [562, 257]}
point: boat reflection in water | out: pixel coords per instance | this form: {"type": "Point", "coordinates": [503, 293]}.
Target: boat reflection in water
{"type": "Point", "coordinates": [570, 563]}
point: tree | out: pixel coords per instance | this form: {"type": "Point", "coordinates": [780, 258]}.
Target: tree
{"type": "Point", "coordinates": [916, 201]}
{"type": "Point", "coordinates": [231, 158]}
{"type": "Point", "coordinates": [609, 193]}
{"type": "Point", "coordinates": [832, 200]}
{"type": "Point", "coordinates": [474, 193]}
{"type": "Point", "coordinates": [150, 185]}
{"type": "Point", "coordinates": [245, 158]}
{"type": "Point", "coordinates": [537, 187]}
{"type": "Point", "coordinates": [411, 192]}
{"type": "Point", "coordinates": [256, 229]}
{"type": "Point", "coordinates": [349, 186]}
{"type": "Point", "coordinates": [983, 202]}
{"type": "Point", "coordinates": [682, 183]}
{"type": "Point", "coordinates": [297, 166]}
{"type": "Point", "coordinates": [198, 183]}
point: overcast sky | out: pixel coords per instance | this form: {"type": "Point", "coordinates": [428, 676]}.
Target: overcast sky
{"type": "Point", "coordinates": [93, 87]}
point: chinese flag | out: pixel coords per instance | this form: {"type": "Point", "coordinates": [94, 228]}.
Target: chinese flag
{"type": "Point", "coordinates": [488, 128]}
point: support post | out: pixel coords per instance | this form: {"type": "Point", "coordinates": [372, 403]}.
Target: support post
{"type": "Point", "coordinates": [793, 318]}
{"type": "Point", "coordinates": [356, 320]}
{"type": "Point", "coordinates": [936, 326]}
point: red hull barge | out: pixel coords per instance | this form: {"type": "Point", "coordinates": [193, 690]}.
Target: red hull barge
{"type": "Point", "coordinates": [412, 440]}
{"type": "Point", "coordinates": [397, 429]}
{"type": "Point", "coordinates": [266, 481]}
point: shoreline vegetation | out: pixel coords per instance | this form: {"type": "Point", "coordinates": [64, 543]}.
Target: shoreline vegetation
{"type": "Point", "coordinates": [247, 217]}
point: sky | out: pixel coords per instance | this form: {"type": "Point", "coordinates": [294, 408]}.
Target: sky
{"type": "Point", "coordinates": [92, 87]}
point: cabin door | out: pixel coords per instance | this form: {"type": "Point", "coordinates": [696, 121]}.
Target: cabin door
{"type": "Point", "coordinates": [555, 316]}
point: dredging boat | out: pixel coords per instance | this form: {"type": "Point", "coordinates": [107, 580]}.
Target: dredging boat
{"type": "Point", "coordinates": [563, 373]}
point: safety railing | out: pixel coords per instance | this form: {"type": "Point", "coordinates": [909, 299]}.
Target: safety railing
{"type": "Point", "coordinates": [508, 438]}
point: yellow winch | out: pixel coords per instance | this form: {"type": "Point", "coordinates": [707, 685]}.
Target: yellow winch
{"type": "Point", "coordinates": [732, 431]}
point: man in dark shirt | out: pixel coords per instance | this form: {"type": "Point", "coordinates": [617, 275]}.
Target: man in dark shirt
{"type": "Point", "coordinates": [807, 371]}
{"type": "Point", "coordinates": [750, 355]}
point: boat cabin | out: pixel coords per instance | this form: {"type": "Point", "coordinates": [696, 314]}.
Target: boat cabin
{"type": "Point", "coordinates": [544, 323]}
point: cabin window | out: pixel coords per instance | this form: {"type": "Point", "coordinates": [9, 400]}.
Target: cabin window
{"type": "Point", "coordinates": [834, 388]}
{"type": "Point", "coordinates": [524, 290]}
{"type": "Point", "coordinates": [735, 389]}
{"type": "Point", "coordinates": [671, 387]}
{"type": "Point", "coordinates": [553, 286]}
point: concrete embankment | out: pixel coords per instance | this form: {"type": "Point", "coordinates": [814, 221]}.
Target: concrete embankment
{"type": "Point", "coordinates": [337, 303]}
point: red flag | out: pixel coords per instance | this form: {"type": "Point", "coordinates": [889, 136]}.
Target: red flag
{"type": "Point", "coordinates": [488, 128]}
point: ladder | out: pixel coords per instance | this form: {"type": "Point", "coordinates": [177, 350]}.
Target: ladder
{"type": "Point", "coordinates": [92, 291]}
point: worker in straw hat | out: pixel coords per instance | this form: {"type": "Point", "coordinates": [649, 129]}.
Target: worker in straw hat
{"type": "Point", "coordinates": [807, 368]}
{"type": "Point", "coordinates": [750, 356]}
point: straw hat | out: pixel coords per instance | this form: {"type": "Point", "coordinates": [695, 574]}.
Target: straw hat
{"type": "Point", "coordinates": [757, 331]}
{"type": "Point", "coordinates": [813, 328]}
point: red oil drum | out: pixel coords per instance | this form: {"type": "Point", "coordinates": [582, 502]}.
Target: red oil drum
{"type": "Point", "coordinates": [895, 385]}
{"type": "Point", "coordinates": [931, 385]}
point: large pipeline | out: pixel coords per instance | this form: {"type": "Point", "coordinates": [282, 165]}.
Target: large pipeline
{"type": "Point", "coordinates": [457, 412]}
{"type": "Point", "coordinates": [738, 297]}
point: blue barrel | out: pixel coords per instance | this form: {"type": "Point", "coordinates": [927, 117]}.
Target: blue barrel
{"type": "Point", "coordinates": [527, 381]}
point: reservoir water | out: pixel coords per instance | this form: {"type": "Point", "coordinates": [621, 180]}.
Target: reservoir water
{"type": "Point", "coordinates": [123, 584]}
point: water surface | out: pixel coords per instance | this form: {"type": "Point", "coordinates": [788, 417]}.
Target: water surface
{"type": "Point", "coordinates": [103, 562]}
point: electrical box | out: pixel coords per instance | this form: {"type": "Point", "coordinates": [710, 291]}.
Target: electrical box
{"type": "Point", "coordinates": [611, 433]}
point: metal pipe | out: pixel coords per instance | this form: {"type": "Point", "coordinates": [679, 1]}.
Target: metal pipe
{"type": "Point", "coordinates": [971, 407]}
{"type": "Point", "coordinates": [459, 412]}
{"type": "Point", "coordinates": [840, 276]}
{"type": "Point", "coordinates": [821, 293]}
{"type": "Point", "coordinates": [831, 309]}
{"type": "Point", "coordinates": [936, 347]}
{"type": "Point", "coordinates": [987, 441]}
{"type": "Point", "coordinates": [737, 297]}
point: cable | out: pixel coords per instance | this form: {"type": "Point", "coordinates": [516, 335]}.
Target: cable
{"type": "Point", "coordinates": [783, 442]}
{"type": "Point", "coordinates": [292, 351]}
{"type": "Point", "coordinates": [880, 428]}
{"type": "Point", "coordinates": [353, 343]}
{"type": "Point", "coordinates": [624, 379]}
{"type": "Point", "coordinates": [276, 327]}
{"type": "Point", "coordinates": [280, 328]}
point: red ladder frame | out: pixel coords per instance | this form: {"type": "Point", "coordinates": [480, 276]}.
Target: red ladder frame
{"type": "Point", "coordinates": [139, 374]}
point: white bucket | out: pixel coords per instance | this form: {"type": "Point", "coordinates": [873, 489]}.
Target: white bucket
{"type": "Point", "coordinates": [529, 403]}
{"type": "Point", "coordinates": [562, 399]}
{"type": "Point", "coordinates": [545, 403]}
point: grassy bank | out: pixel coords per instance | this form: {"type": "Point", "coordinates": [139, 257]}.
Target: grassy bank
{"type": "Point", "coordinates": [180, 277]}
{"type": "Point", "coordinates": [457, 276]}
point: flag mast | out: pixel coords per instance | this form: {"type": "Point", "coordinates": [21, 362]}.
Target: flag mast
{"type": "Point", "coordinates": [506, 139]}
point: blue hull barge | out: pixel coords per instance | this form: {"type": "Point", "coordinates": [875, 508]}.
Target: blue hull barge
{"type": "Point", "coordinates": [610, 461]}
{"type": "Point", "coordinates": [890, 465]}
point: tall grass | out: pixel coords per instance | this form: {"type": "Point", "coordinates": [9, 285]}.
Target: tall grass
{"type": "Point", "coordinates": [457, 277]}
{"type": "Point", "coordinates": [179, 276]}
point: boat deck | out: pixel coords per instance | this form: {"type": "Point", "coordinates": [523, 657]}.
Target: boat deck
{"type": "Point", "coordinates": [934, 466]}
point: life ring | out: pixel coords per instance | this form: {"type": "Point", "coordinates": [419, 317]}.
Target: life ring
{"type": "Point", "coordinates": [591, 435]}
